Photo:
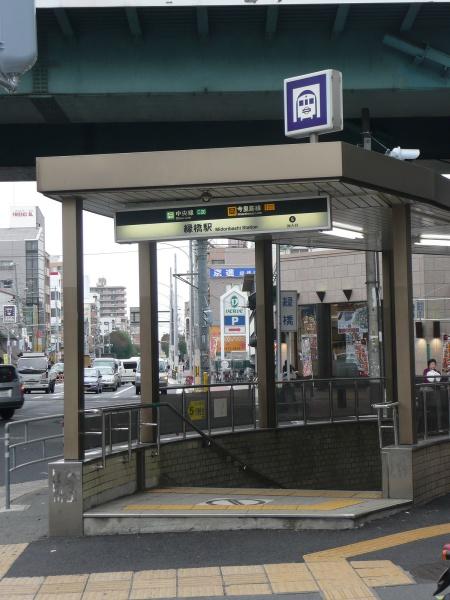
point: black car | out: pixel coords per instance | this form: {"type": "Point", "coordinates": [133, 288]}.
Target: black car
{"type": "Point", "coordinates": [11, 391]}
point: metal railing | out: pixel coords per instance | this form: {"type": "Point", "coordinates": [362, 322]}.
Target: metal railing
{"type": "Point", "coordinates": [11, 459]}
{"type": "Point", "coordinates": [387, 417]}
{"type": "Point", "coordinates": [307, 401]}
{"type": "Point", "coordinates": [432, 408]}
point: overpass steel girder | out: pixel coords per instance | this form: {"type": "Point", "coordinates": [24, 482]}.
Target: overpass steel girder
{"type": "Point", "coordinates": [201, 59]}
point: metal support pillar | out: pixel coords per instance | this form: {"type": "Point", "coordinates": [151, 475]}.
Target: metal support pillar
{"type": "Point", "coordinates": [72, 234]}
{"type": "Point", "coordinates": [264, 331]}
{"type": "Point", "coordinates": [148, 296]}
{"type": "Point", "coordinates": [372, 283]}
{"type": "Point", "coordinates": [388, 320]}
{"type": "Point", "coordinates": [403, 324]}
{"type": "Point", "coordinates": [202, 307]}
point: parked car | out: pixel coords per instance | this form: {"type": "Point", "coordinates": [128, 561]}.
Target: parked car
{"type": "Point", "coordinates": [110, 379]}
{"type": "Point", "coordinates": [93, 381]}
{"type": "Point", "coordinates": [11, 391]}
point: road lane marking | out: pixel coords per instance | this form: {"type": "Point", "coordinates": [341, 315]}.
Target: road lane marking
{"type": "Point", "coordinates": [122, 391]}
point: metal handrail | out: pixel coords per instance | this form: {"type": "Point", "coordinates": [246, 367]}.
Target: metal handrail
{"type": "Point", "coordinates": [210, 441]}
{"type": "Point", "coordinates": [382, 408]}
{"type": "Point", "coordinates": [10, 450]}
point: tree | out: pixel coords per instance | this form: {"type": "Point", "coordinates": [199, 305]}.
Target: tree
{"type": "Point", "coordinates": [165, 344]}
{"type": "Point", "coordinates": [121, 344]}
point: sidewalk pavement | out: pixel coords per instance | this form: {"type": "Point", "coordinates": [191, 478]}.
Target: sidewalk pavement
{"type": "Point", "coordinates": [243, 564]}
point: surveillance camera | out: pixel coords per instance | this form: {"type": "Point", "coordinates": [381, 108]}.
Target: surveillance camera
{"type": "Point", "coordinates": [404, 153]}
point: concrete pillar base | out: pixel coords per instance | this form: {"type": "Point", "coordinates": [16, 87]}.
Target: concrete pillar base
{"type": "Point", "coordinates": [397, 472]}
{"type": "Point", "coordinates": [65, 502]}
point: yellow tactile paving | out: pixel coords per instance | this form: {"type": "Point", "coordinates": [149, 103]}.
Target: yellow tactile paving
{"type": "Point", "coordinates": [20, 585]}
{"type": "Point", "coordinates": [8, 554]}
{"type": "Point", "coordinates": [248, 590]}
{"type": "Point", "coordinates": [242, 570]}
{"type": "Point", "coordinates": [59, 596]}
{"type": "Point", "coordinates": [381, 573]}
{"type": "Point", "coordinates": [157, 574]}
{"type": "Point", "coordinates": [147, 594]}
{"type": "Point", "coordinates": [325, 505]}
{"type": "Point", "coordinates": [367, 495]}
{"type": "Point", "coordinates": [337, 580]}
{"type": "Point", "coordinates": [380, 543]}
{"type": "Point", "coordinates": [327, 572]}
{"type": "Point", "coordinates": [208, 591]}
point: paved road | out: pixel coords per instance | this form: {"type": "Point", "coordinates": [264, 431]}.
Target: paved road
{"type": "Point", "coordinates": [40, 405]}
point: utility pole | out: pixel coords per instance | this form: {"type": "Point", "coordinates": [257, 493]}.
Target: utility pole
{"type": "Point", "coordinates": [202, 307]}
{"type": "Point", "coordinates": [175, 316]}
{"type": "Point", "coordinates": [279, 369]}
{"type": "Point", "coordinates": [191, 310]}
{"type": "Point", "coordinates": [372, 277]}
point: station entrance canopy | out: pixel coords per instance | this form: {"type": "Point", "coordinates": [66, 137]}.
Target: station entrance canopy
{"type": "Point", "coordinates": [362, 188]}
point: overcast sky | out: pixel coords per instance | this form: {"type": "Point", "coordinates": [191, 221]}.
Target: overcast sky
{"type": "Point", "coordinates": [118, 263]}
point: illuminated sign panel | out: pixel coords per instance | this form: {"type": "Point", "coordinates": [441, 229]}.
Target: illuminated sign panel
{"type": "Point", "coordinates": [231, 220]}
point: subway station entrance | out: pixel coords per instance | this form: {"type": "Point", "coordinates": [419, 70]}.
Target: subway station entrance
{"type": "Point", "coordinates": [371, 453]}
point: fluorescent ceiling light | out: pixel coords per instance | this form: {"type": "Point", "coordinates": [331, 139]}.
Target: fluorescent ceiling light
{"type": "Point", "coordinates": [346, 226]}
{"type": "Point", "coordinates": [430, 242]}
{"type": "Point", "coordinates": [434, 236]}
{"type": "Point", "coordinates": [342, 230]}
{"type": "Point", "coordinates": [447, 175]}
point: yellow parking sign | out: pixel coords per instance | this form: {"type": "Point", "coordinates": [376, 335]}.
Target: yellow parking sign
{"type": "Point", "coordinates": [197, 410]}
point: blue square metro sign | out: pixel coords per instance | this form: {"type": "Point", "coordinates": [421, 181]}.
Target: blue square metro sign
{"type": "Point", "coordinates": [313, 104]}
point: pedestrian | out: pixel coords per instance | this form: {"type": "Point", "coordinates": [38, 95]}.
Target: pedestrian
{"type": "Point", "coordinates": [431, 374]}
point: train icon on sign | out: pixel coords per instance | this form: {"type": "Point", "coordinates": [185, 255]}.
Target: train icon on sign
{"type": "Point", "coordinates": [306, 105]}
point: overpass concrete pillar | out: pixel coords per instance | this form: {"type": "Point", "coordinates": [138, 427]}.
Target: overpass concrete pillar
{"type": "Point", "coordinates": [148, 295]}
{"type": "Point", "coordinates": [265, 355]}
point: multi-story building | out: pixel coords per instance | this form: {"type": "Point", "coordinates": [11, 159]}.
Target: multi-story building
{"type": "Point", "coordinates": [56, 339]}
{"type": "Point", "coordinates": [23, 270]}
{"type": "Point", "coordinates": [135, 324]}
{"type": "Point", "coordinates": [92, 330]}
{"type": "Point", "coordinates": [113, 303]}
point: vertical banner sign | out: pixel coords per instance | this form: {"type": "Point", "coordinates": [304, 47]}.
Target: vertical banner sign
{"type": "Point", "coordinates": [233, 322]}
{"type": "Point", "coordinates": [313, 104]}
{"type": "Point", "coordinates": [9, 313]}
{"type": "Point", "coordinates": [288, 311]}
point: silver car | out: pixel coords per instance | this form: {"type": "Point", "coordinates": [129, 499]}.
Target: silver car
{"type": "Point", "coordinates": [110, 379]}
{"type": "Point", "coordinates": [93, 381]}
{"type": "Point", "coordinates": [11, 391]}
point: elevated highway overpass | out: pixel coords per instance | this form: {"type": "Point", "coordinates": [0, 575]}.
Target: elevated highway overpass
{"type": "Point", "coordinates": [121, 75]}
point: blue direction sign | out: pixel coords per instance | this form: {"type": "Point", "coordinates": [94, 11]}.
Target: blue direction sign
{"type": "Point", "coordinates": [313, 103]}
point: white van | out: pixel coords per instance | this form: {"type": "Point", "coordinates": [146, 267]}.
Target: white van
{"type": "Point", "coordinates": [127, 369]}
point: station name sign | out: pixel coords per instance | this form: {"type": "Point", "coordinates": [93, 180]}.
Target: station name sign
{"type": "Point", "coordinates": [231, 220]}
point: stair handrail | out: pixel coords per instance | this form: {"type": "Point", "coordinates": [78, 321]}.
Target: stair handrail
{"type": "Point", "coordinates": [210, 441]}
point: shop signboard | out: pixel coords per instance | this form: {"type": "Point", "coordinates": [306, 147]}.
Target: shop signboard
{"type": "Point", "coordinates": [313, 104]}
{"type": "Point", "coordinates": [231, 272]}
{"type": "Point", "coordinates": [288, 310]}
{"type": "Point", "coordinates": [232, 220]}
{"type": "Point", "coordinates": [233, 321]}
{"type": "Point", "coordinates": [9, 313]}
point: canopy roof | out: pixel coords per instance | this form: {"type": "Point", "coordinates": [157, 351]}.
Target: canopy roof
{"type": "Point", "coordinates": [362, 185]}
